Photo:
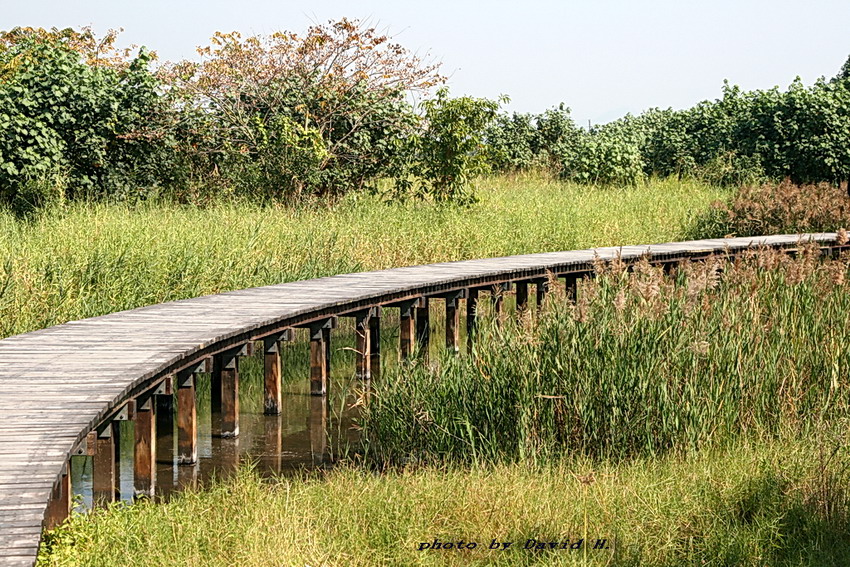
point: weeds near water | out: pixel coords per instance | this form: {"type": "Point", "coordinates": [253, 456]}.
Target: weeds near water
{"type": "Point", "coordinates": [640, 365]}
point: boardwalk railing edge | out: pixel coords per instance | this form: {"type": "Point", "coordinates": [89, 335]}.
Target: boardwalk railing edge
{"type": "Point", "coordinates": [63, 387]}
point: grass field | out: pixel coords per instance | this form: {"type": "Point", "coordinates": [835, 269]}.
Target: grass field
{"type": "Point", "coordinates": [702, 423]}
{"type": "Point", "coordinates": [91, 260]}
{"type": "Point", "coordinates": [771, 504]}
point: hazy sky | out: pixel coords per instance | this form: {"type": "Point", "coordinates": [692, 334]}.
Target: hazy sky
{"type": "Point", "coordinates": [603, 58]}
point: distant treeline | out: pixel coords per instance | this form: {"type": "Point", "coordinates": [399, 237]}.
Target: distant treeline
{"type": "Point", "coordinates": [292, 117]}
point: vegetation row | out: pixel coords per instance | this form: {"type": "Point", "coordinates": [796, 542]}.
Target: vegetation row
{"type": "Point", "coordinates": [340, 107]}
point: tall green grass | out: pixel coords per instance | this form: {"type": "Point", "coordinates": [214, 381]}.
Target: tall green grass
{"type": "Point", "coordinates": [777, 504]}
{"type": "Point", "coordinates": [640, 365]}
{"type": "Point", "coordinates": [89, 260]}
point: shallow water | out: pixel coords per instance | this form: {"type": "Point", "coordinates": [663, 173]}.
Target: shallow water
{"type": "Point", "coordinates": [311, 431]}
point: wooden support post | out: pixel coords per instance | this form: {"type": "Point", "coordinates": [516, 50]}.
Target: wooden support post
{"type": "Point", "coordinates": [60, 500]}
{"type": "Point", "coordinates": [225, 380]}
{"type": "Point", "coordinates": [318, 427]}
{"type": "Point", "coordinates": [542, 286]}
{"type": "Point", "coordinates": [521, 296]}
{"type": "Point", "coordinates": [272, 371]}
{"type": "Point", "coordinates": [571, 286]}
{"type": "Point", "coordinates": [187, 419]}
{"type": "Point", "coordinates": [320, 359]}
{"type": "Point", "coordinates": [375, 344]}
{"type": "Point", "coordinates": [318, 366]}
{"type": "Point", "coordinates": [453, 323]}
{"type": "Point", "coordinates": [144, 451]}
{"type": "Point", "coordinates": [407, 328]}
{"type": "Point", "coordinates": [497, 293]}
{"type": "Point", "coordinates": [471, 314]}
{"type": "Point", "coordinates": [103, 467]}
{"type": "Point", "coordinates": [423, 326]}
{"type": "Point", "coordinates": [363, 346]}
{"type": "Point", "coordinates": [164, 401]}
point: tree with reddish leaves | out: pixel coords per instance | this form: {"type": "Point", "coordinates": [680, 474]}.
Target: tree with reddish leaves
{"type": "Point", "coordinates": [286, 115]}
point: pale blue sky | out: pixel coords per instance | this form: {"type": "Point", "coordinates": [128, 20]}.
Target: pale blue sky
{"type": "Point", "coordinates": [602, 58]}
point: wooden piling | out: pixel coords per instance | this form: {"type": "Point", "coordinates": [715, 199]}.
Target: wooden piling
{"type": "Point", "coordinates": [423, 326]}
{"type": "Point", "coordinates": [103, 467]}
{"type": "Point", "coordinates": [571, 286]}
{"type": "Point", "coordinates": [453, 323]}
{"type": "Point", "coordinates": [226, 379]}
{"type": "Point", "coordinates": [497, 293]}
{"type": "Point", "coordinates": [59, 507]}
{"type": "Point", "coordinates": [320, 339]}
{"type": "Point", "coordinates": [542, 288]}
{"type": "Point", "coordinates": [407, 328]}
{"type": "Point", "coordinates": [375, 344]}
{"type": "Point", "coordinates": [164, 401]}
{"type": "Point", "coordinates": [363, 345]}
{"type": "Point", "coordinates": [144, 450]}
{"type": "Point", "coordinates": [272, 372]}
{"type": "Point", "coordinates": [471, 314]}
{"type": "Point", "coordinates": [187, 419]}
{"type": "Point", "coordinates": [521, 296]}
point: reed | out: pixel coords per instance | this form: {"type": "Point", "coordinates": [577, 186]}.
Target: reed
{"type": "Point", "coordinates": [640, 365]}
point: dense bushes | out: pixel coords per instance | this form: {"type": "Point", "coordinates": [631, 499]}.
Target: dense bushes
{"type": "Point", "coordinates": [74, 121]}
{"type": "Point", "coordinates": [802, 133]}
{"type": "Point", "coordinates": [291, 116]}
{"type": "Point", "coordinates": [283, 117]}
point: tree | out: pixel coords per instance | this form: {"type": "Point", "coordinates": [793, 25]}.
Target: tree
{"type": "Point", "coordinates": [335, 96]}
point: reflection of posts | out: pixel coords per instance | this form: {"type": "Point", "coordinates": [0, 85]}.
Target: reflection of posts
{"type": "Point", "coordinates": [144, 453]}
{"type": "Point", "coordinates": [273, 425]}
{"type": "Point", "coordinates": [318, 427]}
{"type": "Point", "coordinates": [226, 451]}
{"type": "Point", "coordinates": [187, 476]}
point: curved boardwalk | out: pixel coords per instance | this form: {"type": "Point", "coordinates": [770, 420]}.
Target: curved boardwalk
{"type": "Point", "coordinates": [61, 387]}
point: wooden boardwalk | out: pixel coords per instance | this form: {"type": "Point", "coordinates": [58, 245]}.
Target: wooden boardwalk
{"type": "Point", "coordinates": [59, 384]}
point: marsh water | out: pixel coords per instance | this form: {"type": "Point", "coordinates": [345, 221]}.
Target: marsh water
{"type": "Point", "coordinates": [311, 432]}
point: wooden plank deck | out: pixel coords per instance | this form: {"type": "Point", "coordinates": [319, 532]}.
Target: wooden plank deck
{"type": "Point", "coordinates": [58, 383]}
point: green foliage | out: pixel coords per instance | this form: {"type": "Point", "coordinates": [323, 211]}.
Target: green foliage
{"type": "Point", "coordinates": [291, 116]}
{"type": "Point", "coordinates": [606, 156]}
{"type": "Point", "coordinates": [525, 141]}
{"type": "Point", "coordinates": [744, 137]}
{"type": "Point", "coordinates": [63, 118]}
{"type": "Point", "coordinates": [450, 150]}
